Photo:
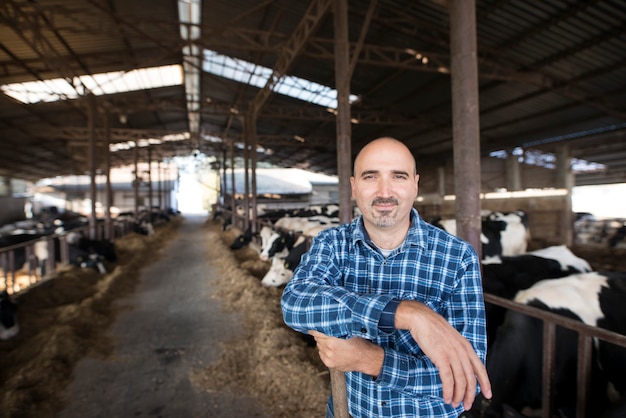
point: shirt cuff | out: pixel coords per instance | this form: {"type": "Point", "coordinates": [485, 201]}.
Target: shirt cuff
{"type": "Point", "coordinates": [386, 323]}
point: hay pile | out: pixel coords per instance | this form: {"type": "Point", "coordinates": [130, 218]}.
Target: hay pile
{"type": "Point", "coordinates": [64, 319]}
{"type": "Point", "coordinates": [270, 362]}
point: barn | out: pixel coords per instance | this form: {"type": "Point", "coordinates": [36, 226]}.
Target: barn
{"type": "Point", "coordinates": [507, 106]}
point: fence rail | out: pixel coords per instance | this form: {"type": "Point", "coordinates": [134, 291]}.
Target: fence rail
{"type": "Point", "coordinates": [33, 270]}
{"type": "Point", "coordinates": [586, 333]}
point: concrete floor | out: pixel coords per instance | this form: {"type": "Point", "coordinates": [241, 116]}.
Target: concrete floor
{"type": "Point", "coordinates": [171, 328]}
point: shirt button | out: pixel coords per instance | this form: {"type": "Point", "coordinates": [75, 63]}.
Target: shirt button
{"type": "Point", "coordinates": [383, 403]}
{"type": "Point", "coordinates": [363, 330]}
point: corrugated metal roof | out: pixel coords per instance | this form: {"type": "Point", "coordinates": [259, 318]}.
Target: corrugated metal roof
{"type": "Point", "coordinates": [550, 72]}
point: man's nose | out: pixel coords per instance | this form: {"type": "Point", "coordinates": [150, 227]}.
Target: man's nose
{"type": "Point", "coordinates": [384, 187]}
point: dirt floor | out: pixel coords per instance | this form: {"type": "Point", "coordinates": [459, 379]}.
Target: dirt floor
{"type": "Point", "coordinates": [162, 335]}
{"type": "Point", "coordinates": [177, 329]}
{"type": "Point", "coordinates": [61, 321]}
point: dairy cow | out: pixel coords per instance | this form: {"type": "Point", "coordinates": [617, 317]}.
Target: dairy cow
{"type": "Point", "coordinates": [502, 234]}
{"type": "Point", "coordinates": [286, 222]}
{"type": "Point", "coordinates": [81, 252]}
{"type": "Point", "coordinates": [243, 239]}
{"type": "Point", "coordinates": [509, 275]}
{"type": "Point", "coordinates": [275, 243]}
{"type": "Point", "coordinates": [514, 361]}
{"type": "Point", "coordinates": [282, 268]}
{"type": "Point", "coordinates": [509, 229]}
{"type": "Point", "coordinates": [591, 231]}
{"type": "Point", "coordinates": [282, 236]}
{"type": "Point", "coordinates": [278, 274]}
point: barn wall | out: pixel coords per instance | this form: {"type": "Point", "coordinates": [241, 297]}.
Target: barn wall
{"type": "Point", "coordinates": [493, 176]}
{"type": "Point", "coordinates": [545, 214]}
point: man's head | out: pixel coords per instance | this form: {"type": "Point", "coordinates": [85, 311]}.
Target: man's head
{"type": "Point", "coordinates": [385, 183]}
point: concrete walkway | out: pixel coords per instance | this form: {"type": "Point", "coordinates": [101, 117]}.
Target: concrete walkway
{"type": "Point", "coordinates": [172, 328]}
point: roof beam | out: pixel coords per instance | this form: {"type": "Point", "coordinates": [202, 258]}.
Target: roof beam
{"type": "Point", "coordinates": [301, 35]}
{"type": "Point", "coordinates": [115, 134]}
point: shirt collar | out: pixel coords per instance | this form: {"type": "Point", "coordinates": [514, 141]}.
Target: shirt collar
{"type": "Point", "coordinates": [417, 234]}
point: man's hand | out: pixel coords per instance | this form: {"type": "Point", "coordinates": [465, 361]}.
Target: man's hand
{"type": "Point", "coordinates": [354, 354]}
{"type": "Point", "coordinates": [459, 366]}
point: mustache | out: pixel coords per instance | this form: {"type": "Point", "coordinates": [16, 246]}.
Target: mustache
{"type": "Point", "coordinates": [384, 201]}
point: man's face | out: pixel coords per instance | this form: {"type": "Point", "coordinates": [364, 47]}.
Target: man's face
{"type": "Point", "coordinates": [385, 184]}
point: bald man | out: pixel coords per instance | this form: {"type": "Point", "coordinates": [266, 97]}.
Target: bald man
{"type": "Point", "coordinates": [391, 300]}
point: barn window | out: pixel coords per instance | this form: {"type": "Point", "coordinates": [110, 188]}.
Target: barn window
{"type": "Point", "coordinates": [256, 75]}
{"type": "Point", "coordinates": [104, 83]}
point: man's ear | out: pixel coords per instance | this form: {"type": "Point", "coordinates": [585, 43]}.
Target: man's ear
{"type": "Point", "coordinates": [352, 185]}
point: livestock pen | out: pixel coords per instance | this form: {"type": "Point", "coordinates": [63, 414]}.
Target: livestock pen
{"type": "Point", "coordinates": [586, 334]}
{"type": "Point", "coordinates": [39, 255]}
{"type": "Point", "coordinates": [601, 259]}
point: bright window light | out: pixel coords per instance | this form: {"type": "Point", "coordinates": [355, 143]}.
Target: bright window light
{"type": "Point", "coordinates": [548, 160]}
{"type": "Point", "coordinates": [126, 145]}
{"type": "Point", "coordinates": [246, 72]}
{"type": "Point", "coordinates": [99, 84]}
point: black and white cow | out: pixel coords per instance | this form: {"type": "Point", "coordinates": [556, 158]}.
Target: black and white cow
{"type": "Point", "coordinates": [502, 234]}
{"type": "Point", "coordinates": [282, 236]}
{"type": "Point", "coordinates": [589, 230]}
{"type": "Point", "coordinates": [509, 275]}
{"type": "Point", "coordinates": [513, 238]}
{"type": "Point", "coordinates": [243, 239]}
{"type": "Point", "coordinates": [514, 361]}
{"type": "Point", "coordinates": [275, 242]}
{"type": "Point", "coordinates": [82, 252]}
{"type": "Point", "coordinates": [282, 268]}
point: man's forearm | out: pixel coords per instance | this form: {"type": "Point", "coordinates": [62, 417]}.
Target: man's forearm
{"type": "Point", "coordinates": [407, 314]}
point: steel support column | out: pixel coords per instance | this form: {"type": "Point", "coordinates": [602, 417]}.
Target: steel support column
{"type": "Point", "coordinates": [92, 164]}
{"type": "Point", "coordinates": [136, 179]}
{"type": "Point", "coordinates": [232, 182]}
{"type": "Point", "coordinates": [465, 120]}
{"type": "Point", "coordinates": [565, 179]}
{"type": "Point", "coordinates": [250, 128]}
{"type": "Point", "coordinates": [108, 230]}
{"type": "Point", "coordinates": [342, 79]}
{"type": "Point", "coordinates": [160, 183]}
{"type": "Point", "coordinates": [149, 179]}
{"type": "Point", "coordinates": [344, 163]}
{"type": "Point", "coordinates": [246, 173]}
{"type": "Point", "coordinates": [513, 173]}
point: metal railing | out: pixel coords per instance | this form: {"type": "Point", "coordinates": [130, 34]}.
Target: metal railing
{"type": "Point", "coordinates": [586, 334]}
{"type": "Point", "coordinates": [35, 270]}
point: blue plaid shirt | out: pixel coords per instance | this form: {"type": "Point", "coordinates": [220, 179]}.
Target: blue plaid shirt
{"type": "Point", "coordinates": [344, 284]}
